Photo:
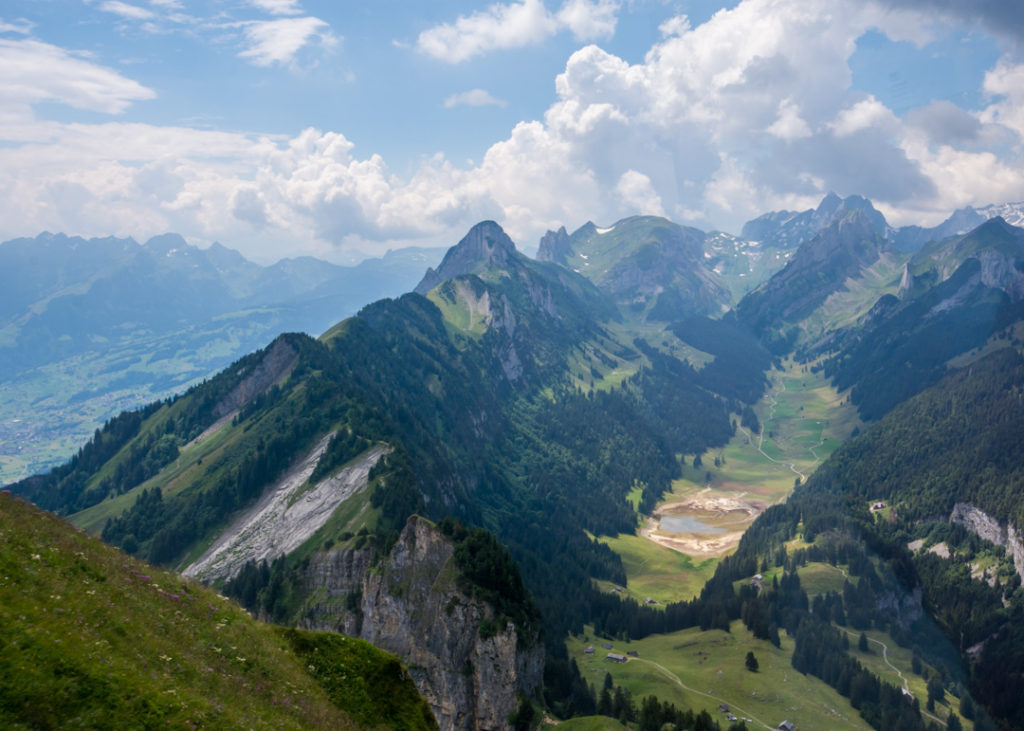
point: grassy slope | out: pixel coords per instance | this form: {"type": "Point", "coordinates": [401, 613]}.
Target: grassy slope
{"type": "Point", "coordinates": [93, 637]}
{"type": "Point", "coordinates": [658, 572]}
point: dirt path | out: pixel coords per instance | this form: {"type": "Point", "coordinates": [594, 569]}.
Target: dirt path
{"type": "Point", "coordinates": [885, 656]}
{"type": "Point", "coordinates": [735, 708]}
{"type": "Point", "coordinates": [772, 403]}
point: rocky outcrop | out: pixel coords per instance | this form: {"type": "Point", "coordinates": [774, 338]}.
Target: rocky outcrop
{"type": "Point", "coordinates": [486, 245]}
{"type": "Point", "coordinates": [411, 605]}
{"type": "Point", "coordinates": [277, 361]}
{"type": "Point", "coordinates": [555, 246]}
{"type": "Point", "coordinates": [985, 526]}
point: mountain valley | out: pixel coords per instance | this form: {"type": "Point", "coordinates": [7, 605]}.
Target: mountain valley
{"type": "Point", "coordinates": [801, 444]}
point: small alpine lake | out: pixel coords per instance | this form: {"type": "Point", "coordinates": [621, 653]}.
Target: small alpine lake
{"type": "Point", "coordinates": [686, 524]}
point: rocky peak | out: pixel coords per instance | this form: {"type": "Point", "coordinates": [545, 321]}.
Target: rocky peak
{"type": "Point", "coordinates": [486, 245]}
{"type": "Point", "coordinates": [818, 268]}
{"type": "Point", "coordinates": [163, 244]}
{"type": "Point", "coordinates": [555, 246]}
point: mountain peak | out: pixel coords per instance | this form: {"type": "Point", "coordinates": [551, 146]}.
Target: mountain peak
{"type": "Point", "coordinates": [164, 244]}
{"type": "Point", "coordinates": [486, 245]}
{"type": "Point", "coordinates": [555, 246]}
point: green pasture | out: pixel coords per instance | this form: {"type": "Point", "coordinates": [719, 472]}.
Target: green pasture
{"type": "Point", "coordinates": [701, 669]}
{"type": "Point", "coordinates": [821, 578]}
{"type": "Point", "coordinates": [658, 572]}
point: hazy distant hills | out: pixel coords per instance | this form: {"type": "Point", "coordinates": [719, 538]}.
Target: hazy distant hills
{"type": "Point", "coordinates": [89, 327]}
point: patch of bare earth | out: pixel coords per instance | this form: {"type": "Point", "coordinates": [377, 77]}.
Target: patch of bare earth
{"type": "Point", "coordinates": [728, 515]}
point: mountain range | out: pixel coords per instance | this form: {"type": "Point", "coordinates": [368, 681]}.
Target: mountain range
{"type": "Point", "coordinates": [90, 327]}
{"type": "Point", "coordinates": [534, 423]}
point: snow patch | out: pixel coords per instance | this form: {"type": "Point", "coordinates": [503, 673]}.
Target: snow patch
{"type": "Point", "coordinates": [603, 231]}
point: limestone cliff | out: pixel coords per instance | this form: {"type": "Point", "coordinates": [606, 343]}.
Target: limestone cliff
{"type": "Point", "coordinates": [411, 604]}
{"type": "Point", "coordinates": [985, 526]}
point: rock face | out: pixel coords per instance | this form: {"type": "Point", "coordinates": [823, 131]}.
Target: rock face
{"type": "Point", "coordinates": [286, 515]}
{"type": "Point", "coordinates": [786, 229]}
{"type": "Point", "coordinates": [411, 605]}
{"type": "Point", "coordinates": [555, 246]}
{"type": "Point", "coordinates": [486, 244]}
{"type": "Point", "coordinates": [985, 526]}
{"type": "Point", "coordinates": [277, 361]}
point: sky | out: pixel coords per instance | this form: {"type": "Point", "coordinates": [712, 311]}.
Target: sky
{"type": "Point", "coordinates": [343, 129]}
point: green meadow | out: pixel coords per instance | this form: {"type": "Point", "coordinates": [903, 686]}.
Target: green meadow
{"type": "Point", "coordinates": [702, 669]}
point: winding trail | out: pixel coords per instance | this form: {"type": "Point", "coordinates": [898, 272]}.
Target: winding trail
{"type": "Point", "coordinates": [903, 680]}
{"type": "Point", "coordinates": [772, 403]}
{"type": "Point", "coordinates": [885, 656]}
{"type": "Point", "coordinates": [688, 689]}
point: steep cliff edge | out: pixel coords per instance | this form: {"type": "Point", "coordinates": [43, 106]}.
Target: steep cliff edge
{"type": "Point", "coordinates": [467, 662]}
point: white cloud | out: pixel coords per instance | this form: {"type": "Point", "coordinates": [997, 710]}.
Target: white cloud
{"type": "Point", "coordinates": [675, 26]}
{"type": "Point", "coordinates": [589, 20]}
{"type": "Point", "coordinates": [473, 98]}
{"type": "Point", "coordinates": [517, 24]}
{"type": "Point", "coordinates": [500, 26]}
{"type": "Point", "coordinates": [636, 191]}
{"type": "Point", "coordinates": [21, 26]}
{"type": "Point", "coordinates": [750, 111]}
{"type": "Point", "coordinates": [278, 7]}
{"type": "Point", "coordinates": [789, 125]}
{"type": "Point", "coordinates": [132, 12]}
{"type": "Point", "coordinates": [866, 114]}
{"type": "Point", "coordinates": [32, 72]}
{"type": "Point", "coordinates": [279, 41]}
{"type": "Point", "coordinates": [1006, 83]}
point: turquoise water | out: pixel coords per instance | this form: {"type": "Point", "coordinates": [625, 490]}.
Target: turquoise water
{"type": "Point", "coordinates": [686, 524]}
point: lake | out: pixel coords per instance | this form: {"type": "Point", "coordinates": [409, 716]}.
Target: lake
{"type": "Point", "coordinates": [686, 524]}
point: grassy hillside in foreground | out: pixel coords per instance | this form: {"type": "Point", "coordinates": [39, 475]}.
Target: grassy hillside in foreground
{"type": "Point", "coordinates": [91, 637]}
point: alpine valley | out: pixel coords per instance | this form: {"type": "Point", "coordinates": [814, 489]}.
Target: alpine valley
{"type": "Point", "coordinates": [653, 476]}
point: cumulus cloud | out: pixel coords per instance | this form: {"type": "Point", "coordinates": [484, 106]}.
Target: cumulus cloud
{"type": "Point", "coordinates": [279, 41]}
{"type": "Point", "coordinates": [637, 192]}
{"type": "Point", "coordinates": [866, 114]}
{"type": "Point", "coordinates": [945, 123]}
{"type": "Point", "coordinates": [473, 98]}
{"type": "Point", "coordinates": [1006, 83]}
{"type": "Point", "coordinates": [589, 20]}
{"type": "Point", "coordinates": [518, 24]}
{"type": "Point", "coordinates": [1002, 18]}
{"type": "Point", "coordinates": [750, 111]}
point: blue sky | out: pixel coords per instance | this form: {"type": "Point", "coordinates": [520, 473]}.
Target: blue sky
{"type": "Point", "coordinates": [339, 129]}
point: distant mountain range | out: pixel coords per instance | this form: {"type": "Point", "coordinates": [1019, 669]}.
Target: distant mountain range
{"type": "Point", "coordinates": [89, 327]}
{"type": "Point", "coordinates": [788, 229]}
